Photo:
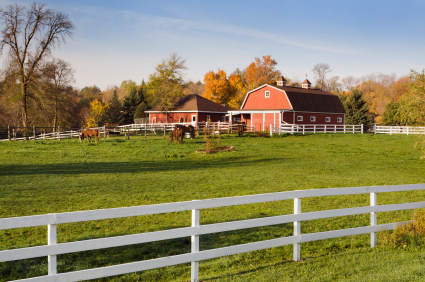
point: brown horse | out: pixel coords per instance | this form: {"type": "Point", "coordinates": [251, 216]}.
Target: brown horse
{"type": "Point", "coordinates": [89, 133]}
{"type": "Point", "coordinates": [176, 134]}
{"type": "Point", "coordinates": [188, 128]}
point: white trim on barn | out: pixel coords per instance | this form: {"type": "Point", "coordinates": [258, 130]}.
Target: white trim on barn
{"type": "Point", "coordinates": [247, 94]}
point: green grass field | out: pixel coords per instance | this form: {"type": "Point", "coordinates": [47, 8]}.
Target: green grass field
{"type": "Point", "coordinates": [50, 177]}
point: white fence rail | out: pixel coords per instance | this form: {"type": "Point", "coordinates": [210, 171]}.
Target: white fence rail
{"type": "Point", "coordinates": [216, 127]}
{"type": "Point", "coordinates": [316, 128]}
{"type": "Point", "coordinates": [379, 129]}
{"type": "Point", "coordinates": [53, 249]}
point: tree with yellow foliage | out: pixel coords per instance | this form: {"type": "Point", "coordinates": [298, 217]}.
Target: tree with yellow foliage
{"type": "Point", "coordinates": [97, 109]}
{"type": "Point", "coordinates": [217, 87]}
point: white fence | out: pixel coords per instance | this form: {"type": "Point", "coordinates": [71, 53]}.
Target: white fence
{"type": "Point", "coordinates": [215, 127]}
{"type": "Point", "coordinates": [316, 128]}
{"type": "Point", "coordinates": [378, 129]}
{"type": "Point", "coordinates": [53, 249]}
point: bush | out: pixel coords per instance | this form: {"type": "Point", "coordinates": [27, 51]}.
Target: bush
{"type": "Point", "coordinates": [411, 234]}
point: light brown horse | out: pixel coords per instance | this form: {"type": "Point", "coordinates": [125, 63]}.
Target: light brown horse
{"type": "Point", "coordinates": [176, 134]}
{"type": "Point", "coordinates": [89, 133]}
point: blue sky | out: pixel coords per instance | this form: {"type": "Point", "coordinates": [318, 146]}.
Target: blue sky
{"type": "Point", "coordinates": [119, 40]}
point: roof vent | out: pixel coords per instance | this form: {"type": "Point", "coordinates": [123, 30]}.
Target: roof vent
{"type": "Point", "coordinates": [281, 81]}
{"type": "Point", "coordinates": [306, 84]}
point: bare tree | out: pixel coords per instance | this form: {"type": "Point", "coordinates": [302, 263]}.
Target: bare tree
{"type": "Point", "coordinates": [57, 79]}
{"type": "Point", "coordinates": [332, 85]}
{"type": "Point", "coordinates": [320, 71]}
{"type": "Point", "coordinates": [349, 82]}
{"type": "Point", "coordinates": [28, 37]}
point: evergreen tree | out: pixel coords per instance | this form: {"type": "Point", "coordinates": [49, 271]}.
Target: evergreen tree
{"type": "Point", "coordinates": [356, 108]}
{"type": "Point", "coordinates": [113, 114]}
{"type": "Point", "coordinates": [140, 110]}
{"type": "Point", "coordinates": [130, 103]}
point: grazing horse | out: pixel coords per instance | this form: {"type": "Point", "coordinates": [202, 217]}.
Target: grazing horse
{"type": "Point", "coordinates": [176, 134]}
{"type": "Point", "coordinates": [188, 128]}
{"type": "Point", "coordinates": [89, 133]}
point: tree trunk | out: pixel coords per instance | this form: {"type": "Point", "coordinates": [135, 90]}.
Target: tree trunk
{"type": "Point", "coordinates": [55, 122]}
{"type": "Point", "coordinates": [24, 105]}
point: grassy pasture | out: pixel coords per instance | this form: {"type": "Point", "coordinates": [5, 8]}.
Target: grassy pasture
{"type": "Point", "coordinates": [50, 176]}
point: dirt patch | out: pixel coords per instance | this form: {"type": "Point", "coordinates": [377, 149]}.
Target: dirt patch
{"type": "Point", "coordinates": [215, 150]}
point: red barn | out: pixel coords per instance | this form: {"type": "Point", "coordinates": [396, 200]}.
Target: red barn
{"type": "Point", "coordinates": [190, 108]}
{"type": "Point", "coordinates": [281, 104]}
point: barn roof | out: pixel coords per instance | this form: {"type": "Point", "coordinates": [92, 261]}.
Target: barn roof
{"type": "Point", "coordinates": [310, 100]}
{"type": "Point", "coordinates": [194, 102]}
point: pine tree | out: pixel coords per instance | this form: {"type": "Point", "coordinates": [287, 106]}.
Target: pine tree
{"type": "Point", "coordinates": [130, 103]}
{"type": "Point", "coordinates": [113, 114]}
{"type": "Point", "coordinates": [356, 108]}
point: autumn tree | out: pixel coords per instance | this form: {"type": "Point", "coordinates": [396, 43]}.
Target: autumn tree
{"type": "Point", "coordinates": [28, 37]}
{"type": "Point", "coordinates": [261, 72]}
{"type": "Point", "coordinates": [320, 71]}
{"type": "Point", "coordinates": [217, 87]}
{"type": "Point", "coordinates": [97, 110]}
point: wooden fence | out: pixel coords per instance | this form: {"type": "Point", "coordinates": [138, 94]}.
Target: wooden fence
{"type": "Point", "coordinates": [52, 249]}
{"type": "Point", "coordinates": [378, 129]}
{"type": "Point", "coordinates": [316, 128]}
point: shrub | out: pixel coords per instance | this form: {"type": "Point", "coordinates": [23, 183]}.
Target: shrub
{"type": "Point", "coordinates": [411, 234]}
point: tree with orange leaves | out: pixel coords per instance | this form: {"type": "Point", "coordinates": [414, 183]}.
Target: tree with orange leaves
{"type": "Point", "coordinates": [217, 87]}
{"type": "Point", "coordinates": [261, 72]}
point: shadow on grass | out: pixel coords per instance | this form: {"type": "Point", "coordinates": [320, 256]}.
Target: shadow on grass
{"type": "Point", "coordinates": [126, 167]}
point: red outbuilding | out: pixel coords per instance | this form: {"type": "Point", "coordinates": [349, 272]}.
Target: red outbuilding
{"type": "Point", "coordinates": [281, 104]}
{"type": "Point", "coordinates": [190, 108]}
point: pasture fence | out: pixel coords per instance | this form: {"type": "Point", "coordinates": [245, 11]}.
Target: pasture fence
{"type": "Point", "coordinates": [379, 129]}
{"type": "Point", "coordinates": [49, 133]}
{"type": "Point", "coordinates": [52, 249]}
{"type": "Point", "coordinates": [316, 128]}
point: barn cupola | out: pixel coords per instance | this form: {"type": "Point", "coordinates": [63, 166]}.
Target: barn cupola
{"type": "Point", "coordinates": [306, 84]}
{"type": "Point", "coordinates": [281, 81]}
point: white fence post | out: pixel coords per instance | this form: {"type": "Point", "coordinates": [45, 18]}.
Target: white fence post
{"type": "Point", "coordinates": [297, 229]}
{"type": "Point", "coordinates": [373, 220]}
{"type": "Point", "coordinates": [324, 129]}
{"type": "Point", "coordinates": [271, 129]}
{"type": "Point", "coordinates": [303, 129]}
{"type": "Point", "coordinates": [362, 128]}
{"type": "Point", "coordinates": [314, 129]}
{"type": "Point", "coordinates": [195, 247]}
{"type": "Point", "coordinates": [52, 240]}
{"type": "Point", "coordinates": [344, 128]}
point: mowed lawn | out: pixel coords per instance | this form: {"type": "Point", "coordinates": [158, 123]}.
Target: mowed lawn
{"type": "Point", "coordinates": [50, 177]}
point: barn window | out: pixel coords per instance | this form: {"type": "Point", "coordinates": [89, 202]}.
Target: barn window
{"type": "Point", "coordinates": [223, 118]}
{"type": "Point", "coordinates": [267, 94]}
{"type": "Point", "coordinates": [313, 118]}
{"type": "Point", "coordinates": [339, 119]}
{"type": "Point", "coordinates": [194, 118]}
{"type": "Point", "coordinates": [328, 119]}
{"type": "Point", "coordinates": [299, 118]}
{"type": "Point", "coordinates": [208, 117]}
